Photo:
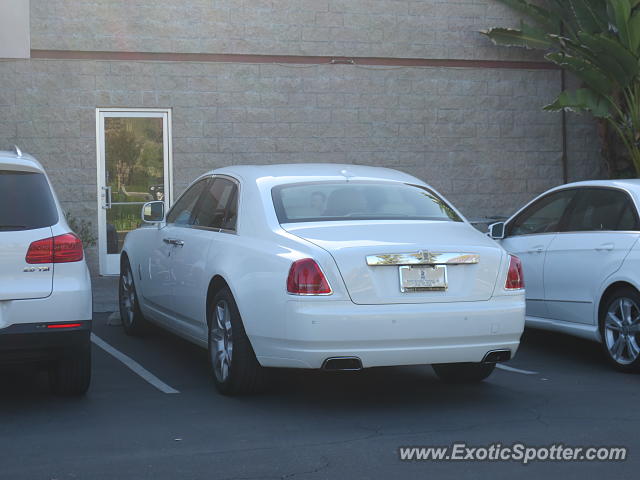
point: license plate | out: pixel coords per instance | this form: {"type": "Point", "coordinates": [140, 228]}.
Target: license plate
{"type": "Point", "coordinates": [423, 277]}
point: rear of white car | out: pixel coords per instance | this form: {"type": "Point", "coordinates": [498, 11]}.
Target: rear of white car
{"type": "Point", "coordinates": [45, 288]}
{"type": "Point", "coordinates": [412, 282]}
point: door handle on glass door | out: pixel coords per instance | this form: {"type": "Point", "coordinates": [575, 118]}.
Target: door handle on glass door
{"type": "Point", "coordinates": [605, 247]}
{"type": "Point", "coordinates": [107, 197]}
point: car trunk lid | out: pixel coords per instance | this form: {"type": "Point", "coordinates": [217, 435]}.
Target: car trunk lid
{"type": "Point", "coordinates": [473, 260]}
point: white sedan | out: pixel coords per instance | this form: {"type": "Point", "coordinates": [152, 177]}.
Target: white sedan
{"type": "Point", "coordinates": [579, 247]}
{"type": "Point", "coordinates": [322, 266]}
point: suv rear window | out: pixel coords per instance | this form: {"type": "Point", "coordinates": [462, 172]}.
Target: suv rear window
{"type": "Point", "coordinates": [335, 201]}
{"type": "Point", "coordinates": [26, 201]}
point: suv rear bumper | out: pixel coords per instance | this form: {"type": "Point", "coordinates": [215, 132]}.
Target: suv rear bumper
{"type": "Point", "coordinates": [41, 342]}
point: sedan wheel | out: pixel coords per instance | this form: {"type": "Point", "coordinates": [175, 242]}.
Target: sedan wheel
{"type": "Point", "coordinates": [222, 338]}
{"type": "Point", "coordinates": [235, 369]}
{"type": "Point", "coordinates": [132, 320]}
{"type": "Point", "coordinates": [621, 330]}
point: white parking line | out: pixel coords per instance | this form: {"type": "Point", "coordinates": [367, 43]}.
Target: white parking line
{"type": "Point", "coordinates": [506, 368]}
{"type": "Point", "coordinates": [133, 365]}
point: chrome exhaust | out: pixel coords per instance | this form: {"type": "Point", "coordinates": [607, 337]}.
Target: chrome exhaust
{"type": "Point", "coordinates": [343, 364]}
{"type": "Point", "coordinates": [497, 356]}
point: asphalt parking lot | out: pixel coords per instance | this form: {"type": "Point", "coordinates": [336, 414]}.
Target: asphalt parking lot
{"type": "Point", "coordinates": [313, 425]}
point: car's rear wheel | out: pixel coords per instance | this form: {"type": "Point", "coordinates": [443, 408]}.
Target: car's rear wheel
{"type": "Point", "coordinates": [71, 375]}
{"type": "Point", "coordinates": [620, 329]}
{"type": "Point", "coordinates": [463, 372]}
{"type": "Point", "coordinates": [233, 363]}
{"type": "Point", "coordinates": [132, 319]}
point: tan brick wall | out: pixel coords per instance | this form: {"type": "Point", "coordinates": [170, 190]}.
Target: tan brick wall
{"type": "Point", "coordinates": [477, 135]}
{"type": "Point", "coordinates": [381, 28]}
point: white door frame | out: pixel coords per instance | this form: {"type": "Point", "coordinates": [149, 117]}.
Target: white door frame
{"type": "Point", "coordinates": [110, 264]}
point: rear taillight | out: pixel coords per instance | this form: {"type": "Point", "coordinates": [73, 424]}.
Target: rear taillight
{"type": "Point", "coordinates": [61, 249]}
{"type": "Point", "coordinates": [515, 279]}
{"type": "Point", "coordinates": [306, 278]}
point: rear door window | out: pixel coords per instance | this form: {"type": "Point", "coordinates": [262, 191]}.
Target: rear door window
{"type": "Point", "coordinates": [26, 201]}
{"type": "Point", "coordinates": [602, 209]}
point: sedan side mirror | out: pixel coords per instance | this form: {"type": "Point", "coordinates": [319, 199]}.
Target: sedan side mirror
{"type": "Point", "coordinates": [496, 230]}
{"type": "Point", "coordinates": [153, 212]}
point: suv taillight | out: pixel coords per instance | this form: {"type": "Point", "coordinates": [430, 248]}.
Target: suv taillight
{"type": "Point", "coordinates": [61, 249]}
{"type": "Point", "coordinates": [306, 278]}
{"type": "Point", "coordinates": [515, 279]}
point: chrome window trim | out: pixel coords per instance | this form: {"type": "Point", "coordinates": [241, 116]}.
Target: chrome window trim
{"type": "Point", "coordinates": [423, 257]}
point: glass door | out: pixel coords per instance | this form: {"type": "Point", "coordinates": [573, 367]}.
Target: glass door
{"type": "Point", "coordinates": [133, 168]}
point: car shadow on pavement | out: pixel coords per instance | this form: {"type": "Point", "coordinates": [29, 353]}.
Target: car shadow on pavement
{"type": "Point", "coordinates": [562, 349]}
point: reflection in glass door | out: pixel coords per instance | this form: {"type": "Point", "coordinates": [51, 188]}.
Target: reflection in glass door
{"type": "Point", "coordinates": [133, 168]}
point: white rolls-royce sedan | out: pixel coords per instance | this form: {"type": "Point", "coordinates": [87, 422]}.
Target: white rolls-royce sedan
{"type": "Point", "coordinates": [335, 267]}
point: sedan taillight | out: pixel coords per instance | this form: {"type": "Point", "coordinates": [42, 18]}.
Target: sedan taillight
{"type": "Point", "coordinates": [515, 279]}
{"type": "Point", "coordinates": [61, 249]}
{"type": "Point", "coordinates": [306, 278]}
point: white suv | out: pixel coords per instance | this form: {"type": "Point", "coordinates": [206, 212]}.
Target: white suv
{"type": "Point", "coordinates": [45, 287]}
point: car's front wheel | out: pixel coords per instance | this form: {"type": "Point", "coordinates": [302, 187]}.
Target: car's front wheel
{"type": "Point", "coordinates": [233, 362]}
{"type": "Point", "coordinates": [132, 319]}
{"type": "Point", "coordinates": [463, 372]}
{"type": "Point", "coordinates": [71, 375]}
{"type": "Point", "coordinates": [620, 329]}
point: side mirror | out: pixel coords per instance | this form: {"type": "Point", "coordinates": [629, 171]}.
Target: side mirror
{"type": "Point", "coordinates": [496, 230]}
{"type": "Point", "coordinates": [153, 212]}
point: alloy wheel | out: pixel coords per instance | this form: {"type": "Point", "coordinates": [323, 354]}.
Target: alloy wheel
{"type": "Point", "coordinates": [622, 329]}
{"type": "Point", "coordinates": [222, 341]}
{"type": "Point", "coordinates": [127, 297]}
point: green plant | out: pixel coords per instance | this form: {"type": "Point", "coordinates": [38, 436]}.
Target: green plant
{"type": "Point", "coordinates": [82, 228]}
{"type": "Point", "coordinates": [599, 42]}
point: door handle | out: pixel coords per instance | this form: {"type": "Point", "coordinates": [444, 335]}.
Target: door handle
{"type": "Point", "coordinates": [536, 249]}
{"type": "Point", "coordinates": [605, 247]}
{"type": "Point", "coordinates": [173, 241]}
{"type": "Point", "coordinates": [107, 197]}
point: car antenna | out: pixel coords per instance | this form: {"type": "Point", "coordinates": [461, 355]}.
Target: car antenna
{"type": "Point", "coordinates": [17, 150]}
{"type": "Point", "coordinates": [345, 173]}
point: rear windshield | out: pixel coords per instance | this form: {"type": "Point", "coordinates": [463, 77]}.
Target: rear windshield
{"type": "Point", "coordinates": [331, 201]}
{"type": "Point", "coordinates": [26, 202]}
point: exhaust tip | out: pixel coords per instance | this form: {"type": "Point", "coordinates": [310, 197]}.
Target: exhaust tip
{"type": "Point", "coordinates": [497, 356]}
{"type": "Point", "coordinates": [344, 364]}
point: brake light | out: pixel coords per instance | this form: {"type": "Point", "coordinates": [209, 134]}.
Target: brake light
{"type": "Point", "coordinates": [306, 278]}
{"type": "Point", "coordinates": [61, 249]}
{"type": "Point", "coordinates": [515, 279]}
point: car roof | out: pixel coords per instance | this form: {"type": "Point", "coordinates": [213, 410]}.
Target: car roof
{"type": "Point", "coordinates": [300, 172]}
{"type": "Point", "coordinates": [630, 183]}
{"type": "Point", "coordinates": [16, 160]}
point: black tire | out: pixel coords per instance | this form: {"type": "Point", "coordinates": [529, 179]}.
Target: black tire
{"type": "Point", "coordinates": [463, 372]}
{"type": "Point", "coordinates": [71, 374]}
{"type": "Point", "coordinates": [133, 322]}
{"type": "Point", "coordinates": [627, 332]}
{"type": "Point", "coordinates": [244, 375]}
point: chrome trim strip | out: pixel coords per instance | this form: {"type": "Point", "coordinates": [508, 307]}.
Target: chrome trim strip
{"type": "Point", "coordinates": [423, 258]}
